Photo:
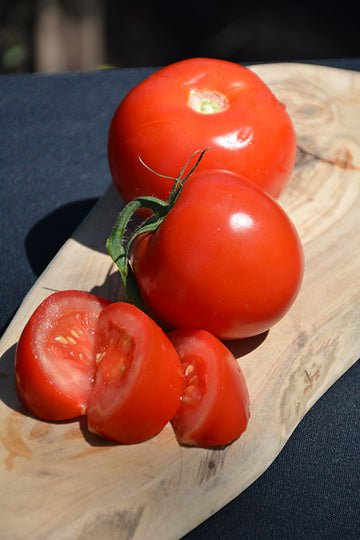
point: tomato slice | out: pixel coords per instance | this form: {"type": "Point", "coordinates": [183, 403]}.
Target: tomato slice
{"type": "Point", "coordinates": [214, 409]}
{"type": "Point", "coordinates": [54, 360]}
{"type": "Point", "coordinates": [138, 380]}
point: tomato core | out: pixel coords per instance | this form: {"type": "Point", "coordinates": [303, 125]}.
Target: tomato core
{"type": "Point", "coordinates": [207, 101]}
{"type": "Point", "coordinates": [117, 352]}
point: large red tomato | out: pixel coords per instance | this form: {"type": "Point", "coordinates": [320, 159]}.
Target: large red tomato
{"type": "Point", "coordinates": [214, 408]}
{"type": "Point", "coordinates": [226, 258]}
{"type": "Point", "coordinates": [195, 104]}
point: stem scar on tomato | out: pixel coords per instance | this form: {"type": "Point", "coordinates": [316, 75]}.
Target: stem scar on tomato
{"type": "Point", "coordinates": [207, 101]}
{"type": "Point", "coordinates": [115, 245]}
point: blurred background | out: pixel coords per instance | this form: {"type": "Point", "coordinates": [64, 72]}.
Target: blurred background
{"type": "Point", "coordinates": [72, 35]}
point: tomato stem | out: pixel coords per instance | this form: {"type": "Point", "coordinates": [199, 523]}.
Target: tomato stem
{"type": "Point", "coordinates": [119, 250]}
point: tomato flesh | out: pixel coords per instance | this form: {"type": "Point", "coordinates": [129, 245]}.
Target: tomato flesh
{"type": "Point", "coordinates": [138, 379]}
{"type": "Point", "coordinates": [215, 405]}
{"type": "Point", "coordinates": [54, 361]}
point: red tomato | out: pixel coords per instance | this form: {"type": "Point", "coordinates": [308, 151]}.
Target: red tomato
{"type": "Point", "coordinates": [214, 408]}
{"type": "Point", "coordinates": [226, 258]}
{"type": "Point", "coordinates": [54, 359]}
{"type": "Point", "coordinates": [195, 104]}
{"type": "Point", "coordinates": [138, 381]}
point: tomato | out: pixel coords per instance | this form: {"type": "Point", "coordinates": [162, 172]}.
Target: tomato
{"type": "Point", "coordinates": [214, 408]}
{"type": "Point", "coordinates": [54, 359]}
{"type": "Point", "coordinates": [138, 380]}
{"type": "Point", "coordinates": [226, 258]}
{"type": "Point", "coordinates": [195, 104]}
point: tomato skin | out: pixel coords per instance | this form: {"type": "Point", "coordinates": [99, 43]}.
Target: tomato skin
{"type": "Point", "coordinates": [217, 411]}
{"type": "Point", "coordinates": [253, 137]}
{"type": "Point", "coordinates": [138, 383]}
{"type": "Point", "coordinates": [226, 259]}
{"type": "Point", "coordinates": [46, 397]}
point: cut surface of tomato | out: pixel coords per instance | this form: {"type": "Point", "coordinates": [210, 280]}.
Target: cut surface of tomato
{"type": "Point", "coordinates": [215, 407]}
{"type": "Point", "coordinates": [54, 361]}
{"type": "Point", "coordinates": [138, 380]}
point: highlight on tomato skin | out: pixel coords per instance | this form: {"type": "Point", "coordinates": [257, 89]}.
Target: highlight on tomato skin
{"type": "Point", "coordinates": [215, 404]}
{"type": "Point", "coordinates": [138, 379]}
{"type": "Point", "coordinates": [54, 356]}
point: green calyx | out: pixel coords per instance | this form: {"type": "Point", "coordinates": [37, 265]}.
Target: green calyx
{"type": "Point", "coordinates": [119, 249]}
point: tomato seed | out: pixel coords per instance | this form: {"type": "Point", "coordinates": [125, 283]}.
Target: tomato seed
{"type": "Point", "coordinates": [62, 339]}
{"type": "Point", "coordinates": [189, 389]}
{"type": "Point", "coordinates": [189, 370]}
{"type": "Point", "coordinates": [99, 357]}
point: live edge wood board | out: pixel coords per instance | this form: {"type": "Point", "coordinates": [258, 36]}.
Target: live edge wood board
{"type": "Point", "coordinates": [58, 482]}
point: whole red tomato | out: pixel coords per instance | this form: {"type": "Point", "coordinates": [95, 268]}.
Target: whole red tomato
{"type": "Point", "coordinates": [226, 258]}
{"type": "Point", "coordinates": [191, 105]}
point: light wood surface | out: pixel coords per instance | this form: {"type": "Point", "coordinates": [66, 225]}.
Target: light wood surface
{"type": "Point", "coordinates": [59, 482]}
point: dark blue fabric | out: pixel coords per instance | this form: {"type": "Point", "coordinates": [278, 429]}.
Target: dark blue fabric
{"type": "Point", "coordinates": [53, 167]}
{"type": "Point", "coordinates": [53, 164]}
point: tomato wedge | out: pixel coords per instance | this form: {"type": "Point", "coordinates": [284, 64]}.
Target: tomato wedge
{"type": "Point", "coordinates": [215, 408]}
{"type": "Point", "coordinates": [138, 380]}
{"type": "Point", "coordinates": [54, 359]}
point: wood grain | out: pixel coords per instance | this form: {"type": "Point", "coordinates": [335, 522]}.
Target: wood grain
{"type": "Point", "coordinates": [159, 489]}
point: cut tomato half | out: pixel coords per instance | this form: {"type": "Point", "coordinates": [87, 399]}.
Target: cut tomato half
{"type": "Point", "coordinates": [214, 409]}
{"type": "Point", "coordinates": [54, 360]}
{"type": "Point", "coordinates": [138, 380]}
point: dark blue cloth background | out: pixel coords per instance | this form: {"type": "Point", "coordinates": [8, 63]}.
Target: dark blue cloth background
{"type": "Point", "coordinates": [53, 168]}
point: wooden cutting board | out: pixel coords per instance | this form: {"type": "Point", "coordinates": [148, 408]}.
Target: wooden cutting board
{"type": "Point", "coordinates": [60, 482]}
